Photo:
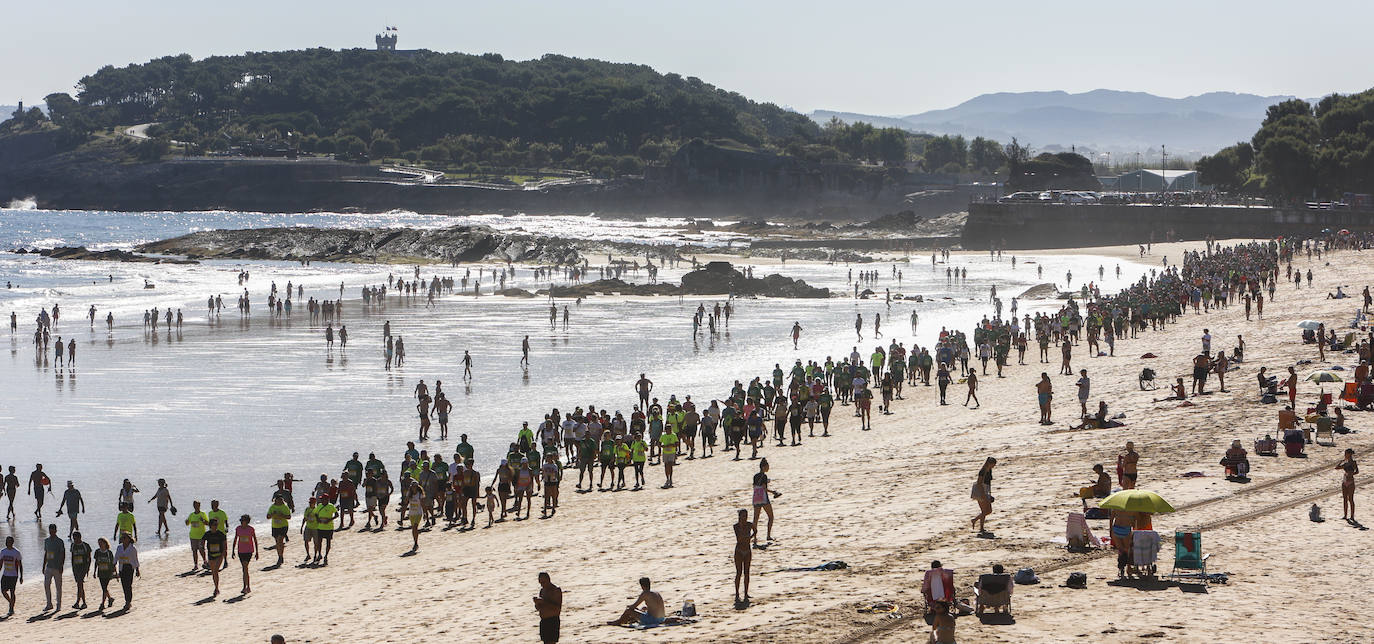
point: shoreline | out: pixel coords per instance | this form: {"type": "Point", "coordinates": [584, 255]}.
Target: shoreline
{"type": "Point", "coordinates": [887, 505]}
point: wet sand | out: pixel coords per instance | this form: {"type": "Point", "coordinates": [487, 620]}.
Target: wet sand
{"type": "Point", "coordinates": [886, 502]}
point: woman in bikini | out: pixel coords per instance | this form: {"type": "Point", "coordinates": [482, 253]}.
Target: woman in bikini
{"type": "Point", "coordinates": [982, 493]}
{"type": "Point", "coordinates": [1348, 485]}
{"type": "Point", "coordinates": [744, 532]}
{"type": "Point", "coordinates": [763, 501]}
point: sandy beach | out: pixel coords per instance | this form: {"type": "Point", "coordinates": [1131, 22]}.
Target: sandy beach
{"type": "Point", "coordinates": [886, 502]}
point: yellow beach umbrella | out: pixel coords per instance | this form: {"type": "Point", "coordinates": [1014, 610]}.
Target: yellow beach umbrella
{"type": "Point", "coordinates": [1136, 501]}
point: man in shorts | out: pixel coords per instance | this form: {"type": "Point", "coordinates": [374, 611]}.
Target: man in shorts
{"type": "Point", "coordinates": [197, 522]}
{"type": "Point", "coordinates": [280, 515]}
{"type": "Point", "coordinates": [308, 529]}
{"type": "Point", "coordinates": [11, 570]}
{"type": "Point", "coordinates": [669, 443]}
{"type": "Point", "coordinates": [552, 474]}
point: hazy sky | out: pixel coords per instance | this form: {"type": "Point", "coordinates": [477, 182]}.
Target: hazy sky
{"type": "Point", "coordinates": [896, 57]}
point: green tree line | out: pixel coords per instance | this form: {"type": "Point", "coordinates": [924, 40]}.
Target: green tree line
{"type": "Point", "coordinates": [468, 111]}
{"type": "Point", "coordinates": [1302, 151]}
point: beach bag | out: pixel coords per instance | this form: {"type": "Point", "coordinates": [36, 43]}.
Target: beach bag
{"type": "Point", "coordinates": [1095, 513]}
{"type": "Point", "coordinates": [1025, 577]}
{"type": "Point", "coordinates": [1077, 580]}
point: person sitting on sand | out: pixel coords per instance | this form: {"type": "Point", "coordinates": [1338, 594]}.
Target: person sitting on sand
{"type": "Point", "coordinates": [1099, 489]}
{"type": "Point", "coordinates": [653, 613]}
{"type": "Point", "coordinates": [1180, 392]}
{"type": "Point", "coordinates": [1236, 461]}
{"type": "Point", "coordinates": [1097, 420]}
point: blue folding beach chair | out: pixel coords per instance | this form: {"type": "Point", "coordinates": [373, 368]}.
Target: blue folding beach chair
{"type": "Point", "coordinates": [1188, 556]}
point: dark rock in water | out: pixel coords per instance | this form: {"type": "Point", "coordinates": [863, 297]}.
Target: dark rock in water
{"type": "Point", "coordinates": [610, 287]}
{"type": "Point", "coordinates": [515, 292]}
{"type": "Point", "coordinates": [1040, 292]}
{"type": "Point", "coordinates": [720, 278]}
{"type": "Point", "coordinates": [81, 252]}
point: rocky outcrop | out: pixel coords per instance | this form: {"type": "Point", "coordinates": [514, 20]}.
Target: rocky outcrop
{"type": "Point", "coordinates": [1040, 292]}
{"type": "Point", "coordinates": [720, 278]}
{"type": "Point", "coordinates": [81, 252]}
{"type": "Point", "coordinates": [456, 243]}
{"type": "Point", "coordinates": [611, 287]}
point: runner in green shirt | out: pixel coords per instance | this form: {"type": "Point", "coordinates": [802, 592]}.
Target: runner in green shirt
{"type": "Point", "coordinates": [197, 522]}
{"type": "Point", "coordinates": [280, 515]}
{"type": "Point", "coordinates": [668, 444]}
{"type": "Point", "coordinates": [639, 452]}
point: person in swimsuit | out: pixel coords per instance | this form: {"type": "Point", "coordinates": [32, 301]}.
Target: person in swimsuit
{"type": "Point", "coordinates": [653, 613]}
{"type": "Point", "coordinates": [763, 501]}
{"type": "Point", "coordinates": [442, 407]}
{"type": "Point", "coordinates": [415, 511]}
{"type": "Point", "coordinates": [744, 555]}
{"type": "Point", "coordinates": [548, 603]}
{"type": "Point", "coordinates": [1044, 392]}
{"type": "Point", "coordinates": [1350, 469]}
{"type": "Point", "coordinates": [1127, 464]}
{"type": "Point", "coordinates": [982, 493]}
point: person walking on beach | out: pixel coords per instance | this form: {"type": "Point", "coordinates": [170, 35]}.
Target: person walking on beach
{"type": "Point", "coordinates": [246, 545]}
{"type": "Point", "coordinates": [73, 505]}
{"type": "Point", "coordinates": [1044, 392]}
{"type": "Point", "coordinates": [54, 561]}
{"type": "Point", "coordinates": [744, 555]}
{"type": "Point", "coordinates": [549, 605]}
{"type": "Point", "coordinates": [37, 482]}
{"type": "Point", "coordinates": [796, 334]}
{"type": "Point", "coordinates": [163, 496]}
{"type": "Point", "coordinates": [763, 502]}
{"type": "Point", "coordinates": [81, 567]}
{"type": "Point", "coordinates": [280, 516]}
{"type": "Point", "coordinates": [197, 521]}
{"type": "Point", "coordinates": [859, 325]}
{"type": "Point", "coordinates": [105, 570]}
{"type": "Point", "coordinates": [415, 509]}
{"type": "Point", "coordinates": [467, 365]}
{"type": "Point", "coordinates": [11, 571]}
{"type": "Point", "coordinates": [126, 556]}
{"type": "Point", "coordinates": [1349, 469]}
{"type": "Point", "coordinates": [982, 493]}
{"type": "Point", "coordinates": [525, 352]}
{"type": "Point", "coordinates": [1292, 384]}
{"type": "Point", "coordinates": [216, 546]}
{"type": "Point", "coordinates": [972, 389]}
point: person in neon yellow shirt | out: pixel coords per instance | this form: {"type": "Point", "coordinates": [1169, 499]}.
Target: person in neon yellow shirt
{"type": "Point", "coordinates": [324, 528]}
{"type": "Point", "coordinates": [639, 451]}
{"type": "Point", "coordinates": [125, 522]}
{"type": "Point", "coordinates": [308, 527]}
{"type": "Point", "coordinates": [280, 514]}
{"type": "Point", "coordinates": [197, 522]}
{"type": "Point", "coordinates": [668, 449]}
{"type": "Point", "coordinates": [216, 513]}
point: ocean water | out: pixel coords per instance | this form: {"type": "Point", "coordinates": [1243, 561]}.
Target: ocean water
{"type": "Point", "coordinates": [222, 407]}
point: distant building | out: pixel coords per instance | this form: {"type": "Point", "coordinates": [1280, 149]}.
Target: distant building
{"type": "Point", "coordinates": [386, 41]}
{"type": "Point", "coordinates": [1147, 180]}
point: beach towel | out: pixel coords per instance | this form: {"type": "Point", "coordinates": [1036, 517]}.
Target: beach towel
{"type": "Point", "coordinates": [1078, 533]}
{"type": "Point", "coordinates": [939, 583]}
{"type": "Point", "coordinates": [673, 620]}
{"type": "Point", "coordinates": [1144, 547]}
{"type": "Point", "coordinates": [829, 565]}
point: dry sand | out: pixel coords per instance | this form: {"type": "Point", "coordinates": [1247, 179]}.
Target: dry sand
{"type": "Point", "coordinates": [887, 502]}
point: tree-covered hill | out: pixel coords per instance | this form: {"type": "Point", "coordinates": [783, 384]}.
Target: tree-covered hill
{"type": "Point", "coordinates": [457, 106]}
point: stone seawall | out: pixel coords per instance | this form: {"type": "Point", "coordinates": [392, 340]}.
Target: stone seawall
{"type": "Point", "coordinates": [1035, 225]}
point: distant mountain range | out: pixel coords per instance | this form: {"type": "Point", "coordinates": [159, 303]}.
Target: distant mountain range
{"type": "Point", "coordinates": [1102, 120]}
